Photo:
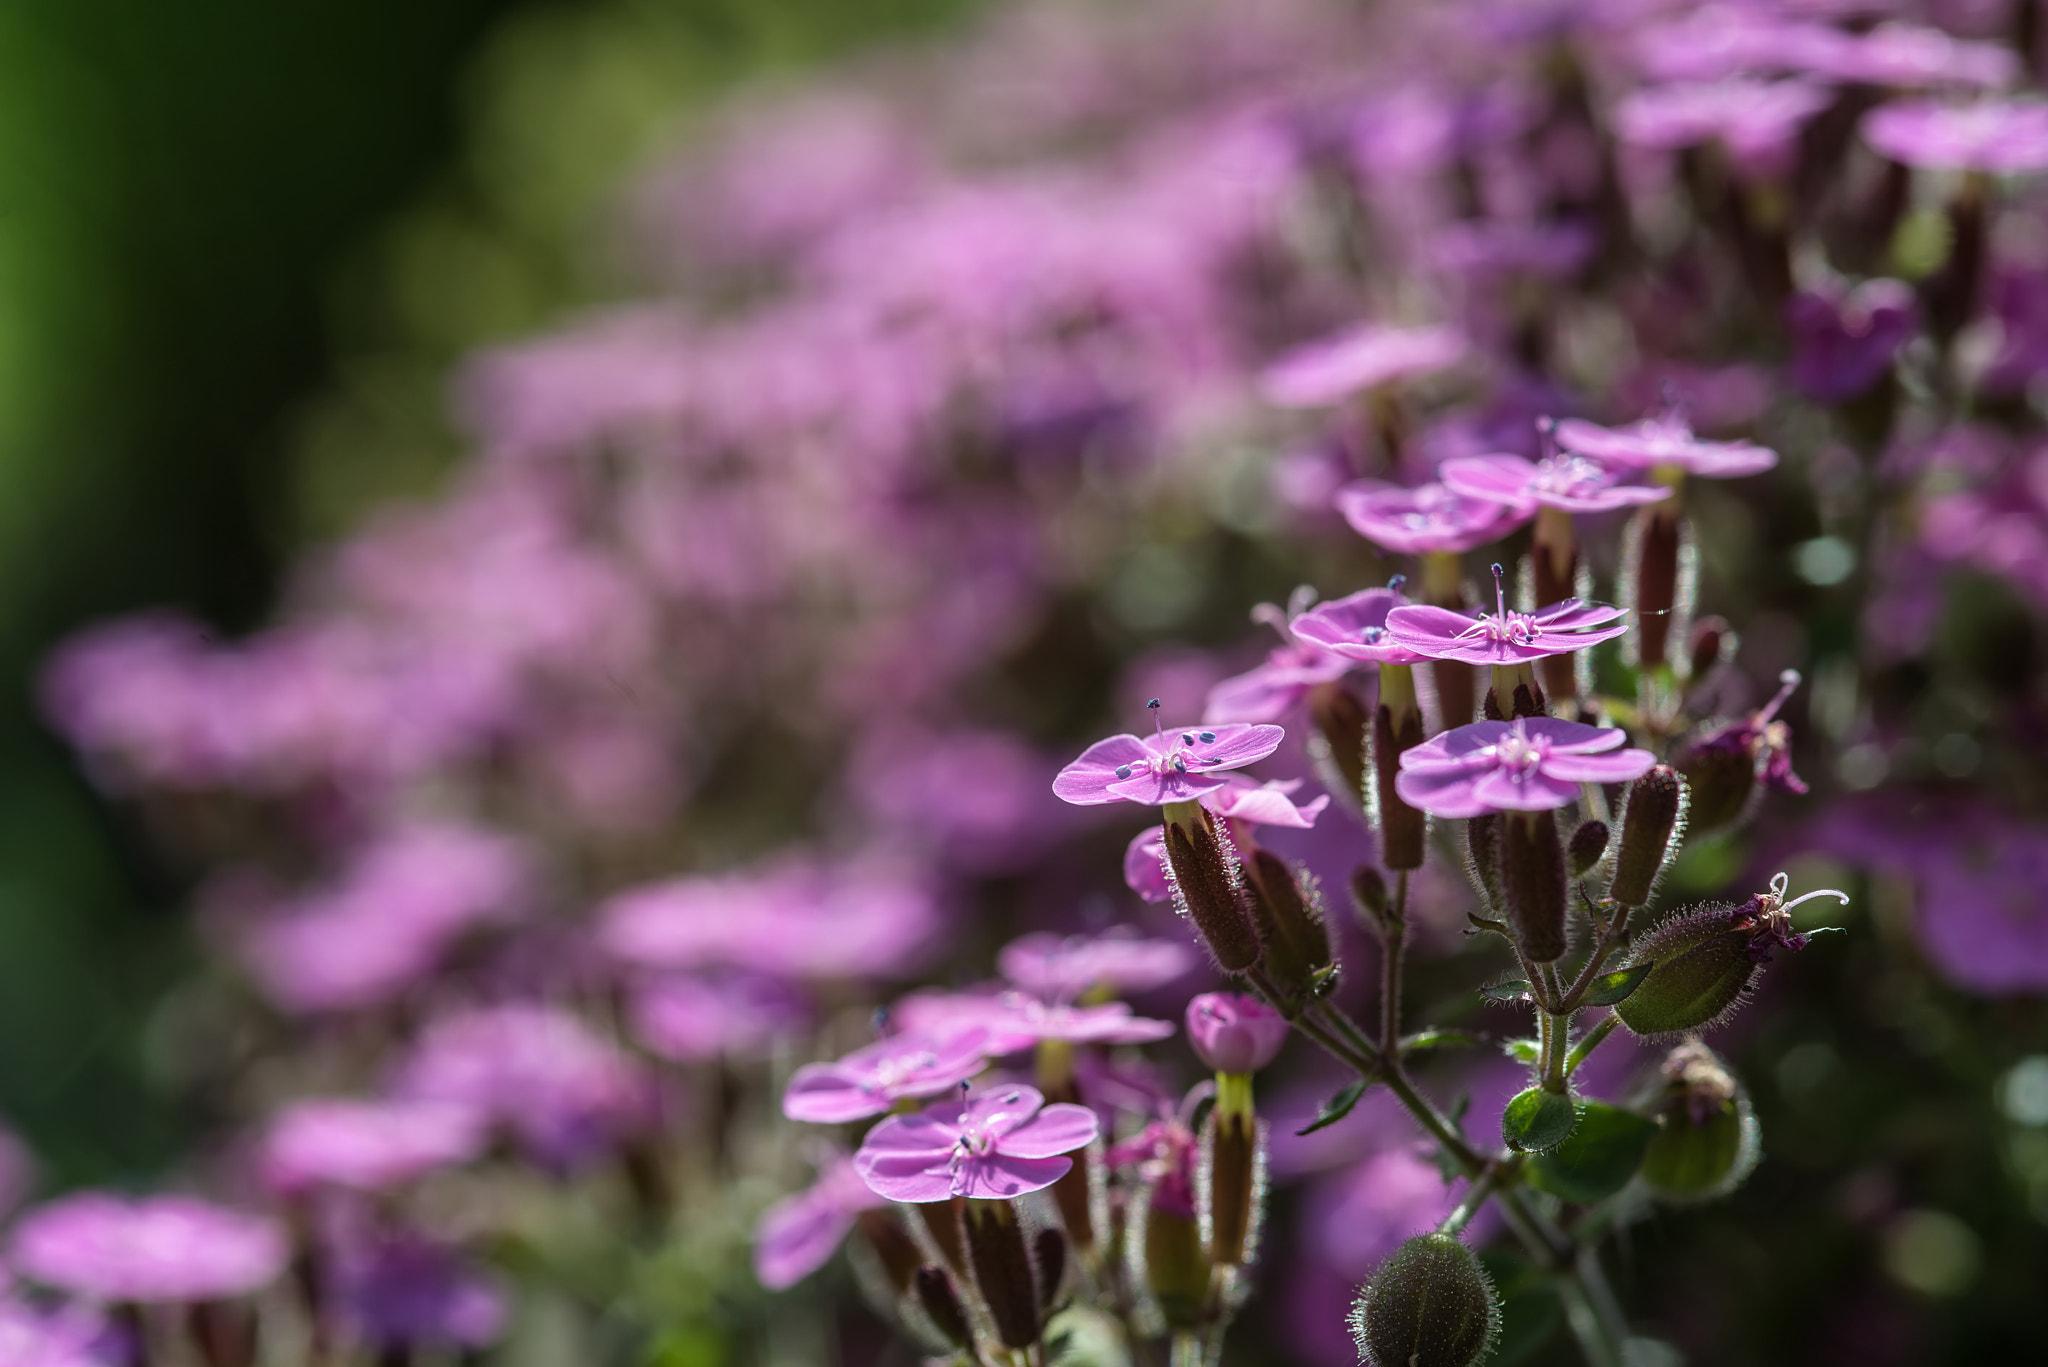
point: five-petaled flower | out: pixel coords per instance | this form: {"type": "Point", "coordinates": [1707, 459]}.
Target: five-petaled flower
{"type": "Point", "coordinates": [1177, 765]}
{"type": "Point", "coordinates": [1001, 1144]}
{"type": "Point", "coordinates": [1663, 441]}
{"type": "Point", "coordinates": [917, 1063]}
{"type": "Point", "coordinates": [1425, 519]}
{"type": "Point", "coordinates": [1529, 765]}
{"type": "Point", "coordinates": [1355, 628]}
{"type": "Point", "coordinates": [1572, 484]}
{"type": "Point", "coordinates": [1503, 636]}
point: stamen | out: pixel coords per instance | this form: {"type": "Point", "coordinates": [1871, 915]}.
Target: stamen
{"type": "Point", "coordinates": [1398, 583]}
{"type": "Point", "coordinates": [1269, 615]}
{"type": "Point", "coordinates": [1787, 683]}
{"type": "Point", "coordinates": [1207, 737]}
{"type": "Point", "coordinates": [1123, 771]}
{"type": "Point", "coordinates": [1158, 729]}
{"type": "Point", "coordinates": [1500, 592]}
{"type": "Point", "coordinates": [1836, 893]}
{"type": "Point", "coordinates": [1778, 886]}
{"type": "Point", "coordinates": [1546, 438]}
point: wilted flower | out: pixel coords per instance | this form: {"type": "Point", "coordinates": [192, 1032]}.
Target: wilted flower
{"type": "Point", "coordinates": [1531, 764]}
{"type": "Point", "coordinates": [1000, 1144]}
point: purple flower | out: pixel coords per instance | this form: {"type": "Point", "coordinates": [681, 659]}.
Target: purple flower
{"type": "Point", "coordinates": [1663, 441]}
{"type": "Point", "coordinates": [69, 1337]}
{"type": "Point", "coordinates": [995, 1146]}
{"type": "Point", "coordinates": [1760, 739]}
{"type": "Point", "coordinates": [1169, 766]}
{"type": "Point", "coordinates": [1164, 1155]}
{"type": "Point", "coordinates": [1503, 636]}
{"type": "Point", "coordinates": [1529, 765]}
{"type": "Point", "coordinates": [1060, 968]}
{"type": "Point", "coordinates": [1904, 56]}
{"type": "Point", "coordinates": [1017, 1020]}
{"type": "Point", "coordinates": [1571, 483]}
{"type": "Point", "coordinates": [1333, 369]}
{"type": "Point", "coordinates": [1270, 691]}
{"type": "Point", "coordinates": [401, 1290]}
{"type": "Point", "coordinates": [1843, 341]}
{"type": "Point", "coordinates": [1426, 518]}
{"type": "Point", "coordinates": [567, 1094]}
{"type": "Point", "coordinates": [2004, 137]}
{"type": "Point", "coordinates": [690, 1019]}
{"type": "Point", "coordinates": [1241, 801]}
{"type": "Point", "coordinates": [365, 1145]}
{"type": "Point", "coordinates": [798, 1234]}
{"type": "Point", "coordinates": [1356, 627]}
{"type": "Point", "coordinates": [1757, 121]}
{"type": "Point", "coordinates": [161, 1248]}
{"type": "Point", "coordinates": [1234, 1034]}
{"type": "Point", "coordinates": [869, 1081]}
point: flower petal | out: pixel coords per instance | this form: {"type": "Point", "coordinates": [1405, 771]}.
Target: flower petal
{"type": "Point", "coordinates": [1506, 791]}
{"type": "Point", "coordinates": [1574, 614]}
{"type": "Point", "coordinates": [1497, 479]}
{"type": "Point", "coordinates": [1086, 781]}
{"type": "Point", "coordinates": [1431, 630]}
{"type": "Point", "coordinates": [1058, 1129]}
{"type": "Point", "coordinates": [1572, 737]}
{"type": "Point", "coordinates": [1458, 743]}
{"type": "Point", "coordinates": [819, 1094]}
{"type": "Point", "coordinates": [905, 1177]}
{"type": "Point", "coordinates": [1002, 1109]}
{"type": "Point", "coordinates": [1441, 792]}
{"type": "Point", "coordinates": [1617, 767]}
{"type": "Point", "coordinates": [1154, 790]}
{"type": "Point", "coordinates": [1000, 1177]}
{"type": "Point", "coordinates": [1238, 744]}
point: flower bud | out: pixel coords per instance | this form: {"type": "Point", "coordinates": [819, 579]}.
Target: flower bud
{"type": "Point", "coordinates": [1397, 726]}
{"type": "Point", "coordinates": [941, 1305]}
{"type": "Point", "coordinates": [1369, 894]}
{"type": "Point", "coordinates": [1294, 941]}
{"type": "Point", "coordinates": [1429, 1305]}
{"type": "Point", "coordinates": [1706, 960]}
{"type": "Point", "coordinates": [894, 1248]}
{"type": "Point", "coordinates": [1583, 850]}
{"type": "Point", "coordinates": [1234, 1034]}
{"type": "Point", "coordinates": [1650, 827]}
{"type": "Point", "coordinates": [1002, 1271]}
{"type": "Point", "coordinates": [1532, 875]}
{"type": "Point", "coordinates": [1720, 779]}
{"type": "Point", "coordinates": [1706, 1140]}
{"type": "Point", "coordinates": [1341, 721]}
{"type": "Point", "coordinates": [1206, 887]}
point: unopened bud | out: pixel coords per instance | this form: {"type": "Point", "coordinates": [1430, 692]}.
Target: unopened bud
{"type": "Point", "coordinates": [1710, 637]}
{"type": "Point", "coordinates": [1174, 1270]}
{"type": "Point", "coordinates": [894, 1248]}
{"type": "Point", "coordinates": [1397, 726]}
{"type": "Point", "coordinates": [1295, 943]}
{"type": "Point", "coordinates": [1533, 876]}
{"type": "Point", "coordinates": [1204, 877]}
{"type": "Point", "coordinates": [1706, 1141]}
{"type": "Point", "coordinates": [941, 1305]}
{"type": "Point", "coordinates": [1341, 720]}
{"type": "Point", "coordinates": [1234, 1034]}
{"type": "Point", "coordinates": [1588, 843]}
{"type": "Point", "coordinates": [1649, 829]}
{"type": "Point", "coordinates": [1706, 960]}
{"type": "Point", "coordinates": [1429, 1305]}
{"type": "Point", "coordinates": [1002, 1271]}
{"type": "Point", "coordinates": [1369, 894]}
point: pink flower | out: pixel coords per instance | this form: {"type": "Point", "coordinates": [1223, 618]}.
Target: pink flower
{"type": "Point", "coordinates": [1168, 766]}
{"type": "Point", "coordinates": [1241, 801]}
{"type": "Point", "coordinates": [1573, 484]}
{"type": "Point", "coordinates": [1528, 765]}
{"type": "Point", "coordinates": [2004, 137]}
{"type": "Point", "coordinates": [1356, 627]}
{"type": "Point", "coordinates": [1426, 518]}
{"type": "Point", "coordinates": [1060, 968]}
{"type": "Point", "coordinates": [1333, 369]}
{"type": "Point", "coordinates": [1017, 1020]}
{"type": "Point", "coordinates": [1757, 121]}
{"type": "Point", "coordinates": [799, 1233]}
{"type": "Point", "coordinates": [1664, 441]}
{"type": "Point", "coordinates": [161, 1248]}
{"type": "Point", "coordinates": [691, 1018]}
{"type": "Point", "coordinates": [366, 1145]}
{"type": "Point", "coordinates": [1503, 637]}
{"type": "Point", "coordinates": [1234, 1034]}
{"type": "Point", "coordinates": [869, 1081]}
{"type": "Point", "coordinates": [996, 1146]}
{"type": "Point", "coordinates": [1270, 691]}
{"type": "Point", "coordinates": [72, 1336]}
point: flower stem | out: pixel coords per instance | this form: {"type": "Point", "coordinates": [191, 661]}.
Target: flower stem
{"type": "Point", "coordinates": [1590, 1043]}
{"type": "Point", "coordinates": [1392, 951]}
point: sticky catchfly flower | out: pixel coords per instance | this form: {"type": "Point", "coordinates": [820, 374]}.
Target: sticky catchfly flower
{"type": "Point", "coordinates": [1018, 1020]}
{"type": "Point", "coordinates": [1061, 967]}
{"type": "Point", "coordinates": [1504, 636]}
{"type": "Point", "coordinates": [1241, 802]}
{"type": "Point", "coordinates": [869, 1081]}
{"type": "Point", "coordinates": [1666, 440]}
{"type": "Point", "coordinates": [1570, 483]}
{"type": "Point", "coordinates": [1426, 518]}
{"type": "Point", "coordinates": [1356, 627]}
{"type": "Point", "coordinates": [366, 1145]}
{"type": "Point", "coordinates": [159, 1249]}
{"type": "Point", "coordinates": [995, 1146]}
{"type": "Point", "coordinates": [799, 1234]}
{"type": "Point", "coordinates": [1272, 689]}
{"type": "Point", "coordinates": [1334, 369]}
{"type": "Point", "coordinates": [1531, 764]}
{"type": "Point", "coordinates": [1177, 765]}
{"type": "Point", "coordinates": [2003, 137]}
{"type": "Point", "coordinates": [1234, 1034]}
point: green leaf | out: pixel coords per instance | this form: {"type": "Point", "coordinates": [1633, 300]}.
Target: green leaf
{"type": "Point", "coordinates": [1611, 989]}
{"type": "Point", "coordinates": [1602, 1153]}
{"type": "Point", "coordinates": [1336, 1108]}
{"type": "Point", "coordinates": [1324, 981]}
{"type": "Point", "coordinates": [1513, 990]}
{"type": "Point", "coordinates": [1530, 1310]}
{"type": "Point", "coordinates": [1441, 1039]}
{"type": "Point", "coordinates": [1536, 1120]}
{"type": "Point", "coordinates": [1528, 1051]}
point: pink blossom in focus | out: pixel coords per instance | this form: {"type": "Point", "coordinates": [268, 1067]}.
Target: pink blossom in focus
{"type": "Point", "coordinates": [994, 1146]}
{"type": "Point", "coordinates": [1572, 484]}
{"type": "Point", "coordinates": [1531, 764]}
{"type": "Point", "coordinates": [1173, 765]}
{"type": "Point", "coordinates": [1428, 518]}
{"type": "Point", "coordinates": [1356, 627]}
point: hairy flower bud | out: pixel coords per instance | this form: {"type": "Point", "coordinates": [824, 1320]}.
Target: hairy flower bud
{"type": "Point", "coordinates": [1002, 1271]}
{"type": "Point", "coordinates": [1049, 1251]}
{"type": "Point", "coordinates": [894, 1248]}
{"type": "Point", "coordinates": [1294, 940]}
{"type": "Point", "coordinates": [1706, 960]}
{"type": "Point", "coordinates": [1429, 1305]}
{"type": "Point", "coordinates": [1397, 726]}
{"type": "Point", "coordinates": [1482, 846]}
{"type": "Point", "coordinates": [1174, 1270]}
{"type": "Point", "coordinates": [1706, 1140]}
{"type": "Point", "coordinates": [1533, 877]}
{"type": "Point", "coordinates": [1341, 721]}
{"type": "Point", "coordinates": [941, 1305]}
{"type": "Point", "coordinates": [1588, 843]}
{"type": "Point", "coordinates": [1205, 878]}
{"type": "Point", "coordinates": [1650, 830]}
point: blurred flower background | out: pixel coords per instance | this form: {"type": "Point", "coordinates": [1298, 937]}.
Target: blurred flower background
{"type": "Point", "coordinates": [556, 550]}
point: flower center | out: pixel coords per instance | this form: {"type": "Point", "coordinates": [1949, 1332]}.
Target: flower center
{"type": "Point", "coordinates": [897, 1071]}
{"type": "Point", "coordinates": [1518, 754]}
{"type": "Point", "coordinates": [1571, 475]}
{"type": "Point", "coordinates": [1170, 758]}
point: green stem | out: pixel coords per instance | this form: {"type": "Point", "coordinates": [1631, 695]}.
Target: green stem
{"type": "Point", "coordinates": [1476, 1197]}
{"type": "Point", "coordinates": [1590, 1043]}
{"type": "Point", "coordinates": [1393, 949]}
